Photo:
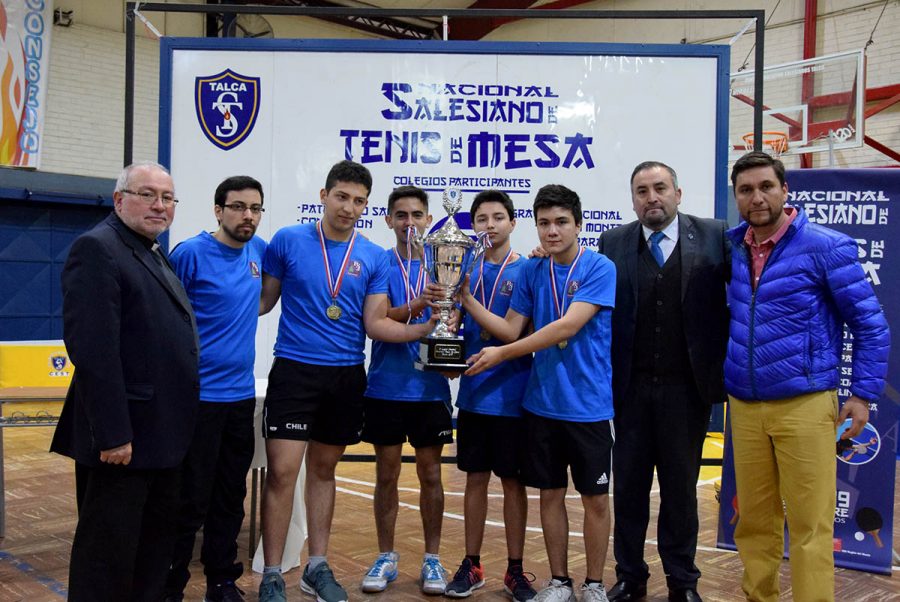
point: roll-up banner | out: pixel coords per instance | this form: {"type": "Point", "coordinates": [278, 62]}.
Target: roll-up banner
{"type": "Point", "coordinates": [25, 27]}
{"type": "Point", "coordinates": [858, 203]}
{"type": "Point", "coordinates": [470, 115]}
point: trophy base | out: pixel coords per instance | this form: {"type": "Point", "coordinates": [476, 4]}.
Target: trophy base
{"type": "Point", "coordinates": [442, 355]}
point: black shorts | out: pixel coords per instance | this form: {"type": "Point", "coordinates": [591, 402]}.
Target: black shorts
{"type": "Point", "coordinates": [423, 423]}
{"type": "Point", "coordinates": [310, 402]}
{"type": "Point", "coordinates": [486, 443]}
{"type": "Point", "coordinates": [555, 445]}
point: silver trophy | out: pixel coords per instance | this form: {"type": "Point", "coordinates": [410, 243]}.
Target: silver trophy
{"type": "Point", "coordinates": [450, 255]}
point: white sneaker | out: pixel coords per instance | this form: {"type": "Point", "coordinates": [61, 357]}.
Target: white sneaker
{"type": "Point", "coordinates": [434, 577]}
{"type": "Point", "coordinates": [593, 592]}
{"type": "Point", "coordinates": [383, 571]}
{"type": "Point", "coordinates": [556, 591]}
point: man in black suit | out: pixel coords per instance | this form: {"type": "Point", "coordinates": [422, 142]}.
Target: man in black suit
{"type": "Point", "coordinates": [670, 329]}
{"type": "Point", "coordinates": [130, 410]}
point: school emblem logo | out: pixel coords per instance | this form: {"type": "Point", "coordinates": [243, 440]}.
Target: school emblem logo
{"type": "Point", "coordinates": [506, 288]}
{"type": "Point", "coordinates": [58, 363]}
{"type": "Point", "coordinates": [354, 269]}
{"type": "Point", "coordinates": [254, 269]}
{"type": "Point", "coordinates": [227, 106]}
{"type": "Point", "coordinates": [573, 288]}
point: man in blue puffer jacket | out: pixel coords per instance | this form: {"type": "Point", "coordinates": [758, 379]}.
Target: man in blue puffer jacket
{"type": "Point", "coordinates": [794, 286]}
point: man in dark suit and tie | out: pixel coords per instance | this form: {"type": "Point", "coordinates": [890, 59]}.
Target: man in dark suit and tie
{"type": "Point", "coordinates": [130, 410]}
{"type": "Point", "coordinates": [670, 329]}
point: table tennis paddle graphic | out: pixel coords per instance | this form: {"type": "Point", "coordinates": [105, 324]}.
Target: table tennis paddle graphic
{"type": "Point", "coordinates": [870, 521]}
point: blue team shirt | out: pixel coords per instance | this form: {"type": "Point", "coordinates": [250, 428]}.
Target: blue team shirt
{"type": "Point", "coordinates": [575, 383]}
{"type": "Point", "coordinates": [223, 284]}
{"type": "Point", "coordinates": [498, 391]}
{"type": "Point", "coordinates": [392, 373]}
{"type": "Point", "coordinates": [305, 333]}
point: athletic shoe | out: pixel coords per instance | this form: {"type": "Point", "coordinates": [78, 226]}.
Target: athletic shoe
{"type": "Point", "coordinates": [271, 589]}
{"type": "Point", "coordinates": [556, 591]}
{"type": "Point", "coordinates": [434, 577]}
{"type": "Point", "coordinates": [593, 592]}
{"type": "Point", "coordinates": [224, 592]}
{"type": "Point", "coordinates": [321, 584]}
{"type": "Point", "coordinates": [467, 579]}
{"type": "Point", "coordinates": [517, 583]}
{"type": "Point", "coordinates": [383, 571]}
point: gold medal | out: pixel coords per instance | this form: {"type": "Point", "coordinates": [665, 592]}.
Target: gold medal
{"type": "Point", "coordinates": [333, 312]}
{"type": "Point", "coordinates": [485, 335]}
{"type": "Point", "coordinates": [562, 345]}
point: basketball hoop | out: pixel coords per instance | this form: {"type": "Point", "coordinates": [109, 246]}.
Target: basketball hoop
{"type": "Point", "coordinates": [776, 141]}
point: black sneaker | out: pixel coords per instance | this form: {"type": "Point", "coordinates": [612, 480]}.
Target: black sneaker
{"type": "Point", "coordinates": [517, 583]}
{"type": "Point", "coordinates": [224, 592]}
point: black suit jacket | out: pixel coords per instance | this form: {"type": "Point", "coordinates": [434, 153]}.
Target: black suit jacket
{"type": "Point", "coordinates": [132, 338]}
{"type": "Point", "coordinates": [705, 269]}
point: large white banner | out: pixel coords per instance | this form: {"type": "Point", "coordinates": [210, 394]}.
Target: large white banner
{"type": "Point", "coordinates": [438, 115]}
{"type": "Point", "coordinates": [24, 66]}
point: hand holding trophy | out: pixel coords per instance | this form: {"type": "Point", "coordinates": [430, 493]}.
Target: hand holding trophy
{"type": "Point", "coordinates": [450, 255]}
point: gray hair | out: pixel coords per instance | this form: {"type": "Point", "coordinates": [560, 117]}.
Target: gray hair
{"type": "Point", "coordinates": [122, 180]}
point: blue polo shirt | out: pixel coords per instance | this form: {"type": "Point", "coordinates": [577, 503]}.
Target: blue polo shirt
{"type": "Point", "coordinates": [392, 372]}
{"type": "Point", "coordinates": [305, 333]}
{"type": "Point", "coordinates": [497, 391]}
{"type": "Point", "coordinates": [575, 383]}
{"type": "Point", "coordinates": [223, 284]}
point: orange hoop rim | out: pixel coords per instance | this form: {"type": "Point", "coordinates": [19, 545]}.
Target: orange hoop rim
{"type": "Point", "coordinates": [776, 141]}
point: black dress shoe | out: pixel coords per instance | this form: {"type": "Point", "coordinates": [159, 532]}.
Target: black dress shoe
{"type": "Point", "coordinates": [626, 591]}
{"type": "Point", "coordinates": [684, 595]}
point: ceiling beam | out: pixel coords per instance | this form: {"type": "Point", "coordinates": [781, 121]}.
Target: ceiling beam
{"type": "Point", "coordinates": [476, 29]}
{"type": "Point", "coordinates": [388, 27]}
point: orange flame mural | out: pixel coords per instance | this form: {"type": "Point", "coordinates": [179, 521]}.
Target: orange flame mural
{"type": "Point", "coordinates": [14, 83]}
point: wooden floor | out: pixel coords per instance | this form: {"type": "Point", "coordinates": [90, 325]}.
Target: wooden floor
{"type": "Point", "coordinates": [41, 519]}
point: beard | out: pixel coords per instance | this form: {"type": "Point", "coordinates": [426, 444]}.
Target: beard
{"type": "Point", "coordinates": [240, 233]}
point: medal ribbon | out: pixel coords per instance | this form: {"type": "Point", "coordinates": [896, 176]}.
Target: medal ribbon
{"type": "Point", "coordinates": [334, 286]}
{"type": "Point", "coordinates": [556, 300]}
{"type": "Point", "coordinates": [415, 290]}
{"type": "Point", "coordinates": [480, 283]}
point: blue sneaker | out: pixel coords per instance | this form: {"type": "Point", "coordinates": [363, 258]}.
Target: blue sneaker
{"type": "Point", "coordinates": [320, 583]}
{"type": "Point", "coordinates": [383, 571]}
{"type": "Point", "coordinates": [434, 577]}
{"type": "Point", "coordinates": [271, 589]}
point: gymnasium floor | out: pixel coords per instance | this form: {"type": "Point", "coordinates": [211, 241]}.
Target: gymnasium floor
{"type": "Point", "coordinates": [40, 506]}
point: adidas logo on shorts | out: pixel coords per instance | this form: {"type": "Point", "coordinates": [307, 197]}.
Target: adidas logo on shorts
{"type": "Point", "coordinates": [603, 480]}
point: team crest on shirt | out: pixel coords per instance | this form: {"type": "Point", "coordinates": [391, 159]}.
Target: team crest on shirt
{"type": "Point", "coordinates": [573, 288]}
{"type": "Point", "coordinates": [355, 268]}
{"type": "Point", "coordinates": [506, 288]}
{"type": "Point", "coordinates": [254, 269]}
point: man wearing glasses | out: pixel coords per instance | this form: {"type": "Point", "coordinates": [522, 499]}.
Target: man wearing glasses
{"type": "Point", "coordinates": [129, 414]}
{"type": "Point", "coordinates": [221, 273]}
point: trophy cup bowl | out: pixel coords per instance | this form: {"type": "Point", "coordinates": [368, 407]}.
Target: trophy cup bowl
{"type": "Point", "coordinates": [450, 255]}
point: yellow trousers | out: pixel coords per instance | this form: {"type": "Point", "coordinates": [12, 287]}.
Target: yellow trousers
{"type": "Point", "coordinates": [784, 464]}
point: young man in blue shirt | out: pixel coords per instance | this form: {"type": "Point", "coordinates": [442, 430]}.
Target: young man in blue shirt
{"type": "Point", "coordinates": [221, 274]}
{"type": "Point", "coordinates": [489, 423]}
{"type": "Point", "coordinates": [333, 286]}
{"type": "Point", "coordinates": [404, 404]}
{"type": "Point", "coordinates": [569, 298]}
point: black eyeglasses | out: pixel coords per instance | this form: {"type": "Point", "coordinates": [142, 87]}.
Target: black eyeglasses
{"type": "Point", "coordinates": [241, 207]}
{"type": "Point", "coordinates": [168, 200]}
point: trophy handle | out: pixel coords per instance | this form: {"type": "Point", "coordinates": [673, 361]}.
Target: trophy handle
{"type": "Point", "coordinates": [416, 240]}
{"type": "Point", "coordinates": [482, 244]}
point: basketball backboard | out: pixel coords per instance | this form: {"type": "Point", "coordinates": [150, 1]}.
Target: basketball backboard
{"type": "Point", "coordinates": [818, 103]}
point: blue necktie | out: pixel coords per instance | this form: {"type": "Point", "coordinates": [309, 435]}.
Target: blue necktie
{"type": "Point", "coordinates": [655, 249]}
